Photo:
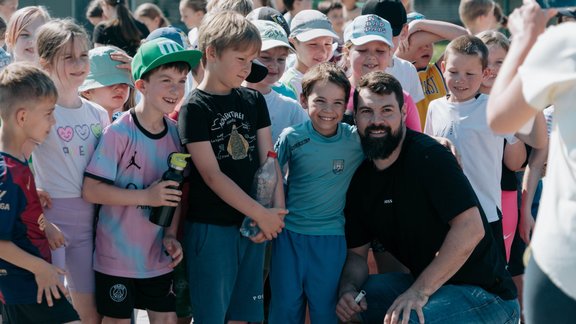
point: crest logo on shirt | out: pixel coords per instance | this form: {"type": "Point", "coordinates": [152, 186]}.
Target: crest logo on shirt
{"type": "Point", "coordinates": [118, 293]}
{"type": "Point", "coordinates": [337, 166]}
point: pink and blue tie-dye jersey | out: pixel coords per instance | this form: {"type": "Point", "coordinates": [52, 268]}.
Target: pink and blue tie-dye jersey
{"type": "Point", "coordinates": [128, 156]}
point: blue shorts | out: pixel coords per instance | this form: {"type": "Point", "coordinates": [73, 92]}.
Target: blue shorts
{"type": "Point", "coordinates": [224, 274]}
{"type": "Point", "coordinates": [305, 268]}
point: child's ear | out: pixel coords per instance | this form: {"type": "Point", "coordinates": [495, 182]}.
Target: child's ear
{"type": "Point", "coordinates": [486, 74]}
{"type": "Point", "coordinates": [403, 33]}
{"type": "Point", "coordinates": [443, 66]}
{"type": "Point", "coordinates": [403, 112]}
{"type": "Point", "coordinates": [303, 101]}
{"type": "Point", "coordinates": [210, 53]}
{"type": "Point", "coordinates": [45, 65]}
{"type": "Point", "coordinates": [87, 94]}
{"type": "Point", "coordinates": [21, 115]}
{"type": "Point", "coordinates": [140, 85]}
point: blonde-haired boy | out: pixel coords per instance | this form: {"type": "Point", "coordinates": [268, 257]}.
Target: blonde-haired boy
{"type": "Point", "coordinates": [30, 285]}
{"type": "Point", "coordinates": [226, 129]}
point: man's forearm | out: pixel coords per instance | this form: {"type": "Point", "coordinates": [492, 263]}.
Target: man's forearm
{"type": "Point", "coordinates": [465, 232]}
{"type": "Point", "coordinates": [355, 271]}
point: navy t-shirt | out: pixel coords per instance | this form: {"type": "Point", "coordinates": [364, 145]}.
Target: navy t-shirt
{"type": "Point", "coordinates": [17, 285]}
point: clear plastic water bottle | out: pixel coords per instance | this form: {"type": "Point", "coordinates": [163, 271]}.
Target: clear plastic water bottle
{"type": "Point", "coordinates": [263, 188]}
{"type": "Point", "coordinates": [162, 215]}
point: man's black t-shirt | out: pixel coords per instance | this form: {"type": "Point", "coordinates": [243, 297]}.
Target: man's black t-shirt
{"type": "Point", "coordinates": [408, 207]}
{"type": "Point", "coordinates": [230, 123]}
{"type": "Point", "coordinates": [106, 34]}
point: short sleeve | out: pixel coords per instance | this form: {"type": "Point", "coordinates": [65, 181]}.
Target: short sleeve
{"type": "Point", "coordinates": [281, 147]}
{"type": "Point", "coordinates": [12, 203]}
{"type": "Point", "coordinates": [194, 122]}
{"type": "Point", "coordinates": [445, 182]}
{"type": "Point", "coordinates": [262, 110]}
{"type": "Point", "coordinates": [355, 228]}
{"type": "Point", "coordinates": [104, 163]}
{"type": "Point", "coordinates": [550, 67]}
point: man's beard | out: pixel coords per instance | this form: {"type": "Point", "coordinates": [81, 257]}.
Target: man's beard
{"type": "Point", "coordinates": [381, 148]}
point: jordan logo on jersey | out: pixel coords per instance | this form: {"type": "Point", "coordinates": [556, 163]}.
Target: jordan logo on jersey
{"type": "Point", "coordinates": [132, 161]}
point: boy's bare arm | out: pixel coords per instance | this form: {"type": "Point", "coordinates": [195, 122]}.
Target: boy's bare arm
{"type": "Point", "coordinates": [269, 220]}
{"type": "Point", "coordinates": [443, 30]}
{"type": "Point", "coordinates": [264, 140]}
{"type": "Point", "coordinates": [423, 32]}
{"type": "Point", "coordinates": [171, 243]}
{"type": "Point", "coordinates": [46, 275]}
{"type": "Point", "coordinates": [157, 194]}
{"type": "Point", "coordinates": [533, 173]}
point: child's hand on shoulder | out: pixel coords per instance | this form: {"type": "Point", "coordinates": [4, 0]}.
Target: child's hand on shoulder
{"type": "Point", "coordinates": [173, 249]}
{"type": "Point", "coordinates": [162, 193]}
{"type": "Point", "coordinates": [53, 234]}
{"type": "Point", "coordinates": [272, 222]}
{"type": "Point", "coordinates": [49, 284]}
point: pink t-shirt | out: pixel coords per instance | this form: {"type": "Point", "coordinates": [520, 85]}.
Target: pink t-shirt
{"type": "Point", "coordinates": [412, 117]}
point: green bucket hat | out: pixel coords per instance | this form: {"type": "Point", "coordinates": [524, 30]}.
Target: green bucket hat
{"type": "Point", "coordinates": [104, 71]}
{"type": "Point", "coordinates": [161, 51]}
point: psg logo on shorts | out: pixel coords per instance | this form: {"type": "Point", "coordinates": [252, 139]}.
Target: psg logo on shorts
{"type": "Point", "coordinates": [118, 293]}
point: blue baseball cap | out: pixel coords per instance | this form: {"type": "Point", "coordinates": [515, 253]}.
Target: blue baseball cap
{"type": "Point", "coordinates": [173, 33]}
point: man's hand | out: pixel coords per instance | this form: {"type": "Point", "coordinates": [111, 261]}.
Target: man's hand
{"type": "Point", "coordinates": [173, 249]}
{"type": "Point", "coordinates": [347, 309]}
{"type": "Point", "coordinates": [54, 235]}
{"type": "Point", "coordinates": [404, 304]}
{"type": "Point", "coordinates": [49, 284]}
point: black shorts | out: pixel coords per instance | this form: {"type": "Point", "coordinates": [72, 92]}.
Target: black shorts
{"type": "Point", "coordinates": [117, 297]}
{"type": "Point", "coordinates": [61, 312]}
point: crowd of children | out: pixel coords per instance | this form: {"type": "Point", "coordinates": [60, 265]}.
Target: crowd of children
{"type": "Point", "coordinates": [86, 132]}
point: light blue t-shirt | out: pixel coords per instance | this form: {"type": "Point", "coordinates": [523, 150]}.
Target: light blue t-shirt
{"type": "Point", "coordinates": [320, 170]}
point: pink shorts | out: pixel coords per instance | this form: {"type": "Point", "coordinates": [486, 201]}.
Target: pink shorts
{"type": "Point", "coordinates": [75, 218]}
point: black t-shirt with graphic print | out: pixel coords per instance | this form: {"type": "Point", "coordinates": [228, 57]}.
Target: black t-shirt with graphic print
{"type": "Point", "coordinates": [408, 207]}
{"type": "Point", "coordinates": [230, 123]}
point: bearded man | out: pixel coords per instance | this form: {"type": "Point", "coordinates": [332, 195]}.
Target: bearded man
{"type": "Point", "coordinates": [413, 197]}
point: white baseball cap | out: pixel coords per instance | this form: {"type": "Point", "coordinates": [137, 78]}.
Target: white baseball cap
{"type": "Point", "coordinates": [272, 35]}
{"type": "Point", "coordinates": [310, 24]}
{"type": "Point", "coordinates": [367, 28]}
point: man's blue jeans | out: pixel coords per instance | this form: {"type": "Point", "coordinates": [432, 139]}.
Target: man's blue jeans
{"type": "Point", "coordinates": [449, 304]}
